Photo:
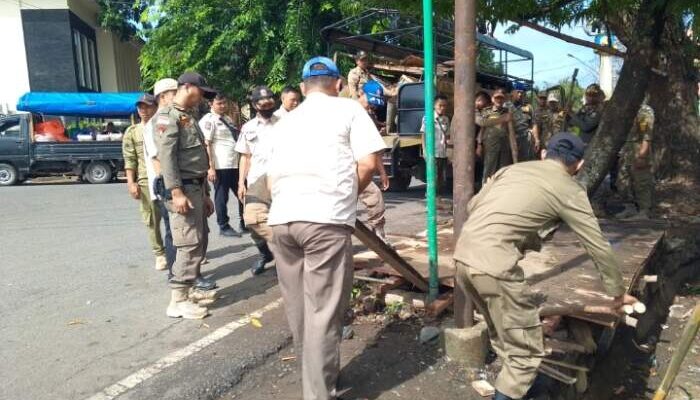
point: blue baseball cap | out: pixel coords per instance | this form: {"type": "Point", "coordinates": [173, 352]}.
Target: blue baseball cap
{"type": "Point", "coordinates": [567, 146]}
{"type": "Point", "coordinates": [374, 92]}
{"type": "Point", "coordinates": [320, 66]}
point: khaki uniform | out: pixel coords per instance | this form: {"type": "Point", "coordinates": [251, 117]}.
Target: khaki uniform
{"type": "Point", "coordinates": [542, 120]}
{"type": "Point", "coordinates": [639, 168]}
{"type": "Point", "coordinates": [522, 122]}
{"type": "Point", "coordinates": [184, 164]}
{"type": "Point", "coordinates": [133, 151]}
{"type": "Point", "coordinates": [356, 78]}
{"type": "Point", "coordinates": [373, 200]}
{"type": "Point", "coordinates": [586, 121]}
{"type": "Point", "coordinates": [494, 238]}
{"type": "Point", "coordinates": [496, 145]}
{"type": "Point", "coordinates": [550, 124]}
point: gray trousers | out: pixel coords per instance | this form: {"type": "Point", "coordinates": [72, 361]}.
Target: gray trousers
{"type": "Point", "coordinates": [314, 267]}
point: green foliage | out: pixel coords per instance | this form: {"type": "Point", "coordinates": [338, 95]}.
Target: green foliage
{"type": "Point", "coordinates": [240, 44]}
{"type": "Point", "coordinates": [127, 18]}
{"type": "Point", "coordinates": [237, 45]}
{"type": "Point", "coordinates": [393, 308]}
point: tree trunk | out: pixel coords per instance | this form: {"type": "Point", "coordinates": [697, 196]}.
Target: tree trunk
{"type": "Point", "coordinates": [673, 96]}
{"type": "Point", "coordinates": [620, 112]}
{"type": "Point", "coordinates": [618, 116]}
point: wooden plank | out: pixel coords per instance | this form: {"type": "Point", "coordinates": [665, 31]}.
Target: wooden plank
{"type": "Point", "coordinates": [562, 272]}
{"type": "Point", "coordinates": [386, 253]}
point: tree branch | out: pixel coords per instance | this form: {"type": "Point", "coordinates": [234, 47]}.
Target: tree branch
{"type": "Point", "coordinates": [571, 39]}
{"type": "Point", "coordinates": [547, 9]}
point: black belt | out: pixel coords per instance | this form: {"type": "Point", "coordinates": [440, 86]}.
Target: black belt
{"type": "Point", "coordinates": [194, 181]}
{"type": "Point", "coordinates": [254, 199]}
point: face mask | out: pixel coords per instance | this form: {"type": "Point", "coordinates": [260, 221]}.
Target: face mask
{"type": "Point", "coordinates": [267, 114]}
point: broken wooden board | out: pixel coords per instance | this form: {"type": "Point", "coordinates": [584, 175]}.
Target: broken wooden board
{"type": "Point", "coordinates": [562, 271]}
{"type": "Point", "coordinates": [566, 276]}
{"type": "Point", "coordinates": [414, 250]}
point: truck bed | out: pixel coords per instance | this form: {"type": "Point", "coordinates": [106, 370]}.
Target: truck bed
{"type": "Point", "coordinates": [77, 151]}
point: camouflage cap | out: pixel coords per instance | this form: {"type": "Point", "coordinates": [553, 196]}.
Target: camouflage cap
{"type": "Point", "coordinates": [542, 94]}
{"type": "Point", "coordinates": [594, 90]}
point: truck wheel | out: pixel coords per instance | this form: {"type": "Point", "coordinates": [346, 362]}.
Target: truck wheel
{"type": "Point", "coordinates": [8, 175]}
{"type": "Point", "coordinates": [98, 172]}
{"type": "Point", "coordinates": [400, 182]}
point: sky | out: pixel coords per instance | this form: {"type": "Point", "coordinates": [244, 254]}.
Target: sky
{"type": "Point", "coordinates": [551, 60]}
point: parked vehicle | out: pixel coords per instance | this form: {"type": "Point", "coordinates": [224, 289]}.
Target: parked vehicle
{"type": "Point", "coordinates": [394, 42]}
{"type": "Point", "coordinates": [22, 156]}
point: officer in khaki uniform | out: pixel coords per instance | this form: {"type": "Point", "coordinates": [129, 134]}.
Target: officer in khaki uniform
{"type": "Point", "coordinates": [636, 156]}
{"type": "Point", "coordinates": [587, 119]}
{"type": "Point", "coordinates": [494, 134]}
{"type": "Point", "coordinates": [500, 230]}
{"type": "Point", "coordinates": [373, 101]}
{"type": "Point", "coordinates": [522, 122]}
{"type": "Point", "coordinates": [137, 177]}
{"type": "Point", "coordinates": [184, 165]}
{"type": "Point", "coordinates": [556, 118]}
{"type": "Point", "coordinates": [359, 75]}
{"type": "Point", "coordinates": [540, 122]}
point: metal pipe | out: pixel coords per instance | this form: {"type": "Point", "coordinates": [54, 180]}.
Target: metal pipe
{"type": "Point", "coordinates": [463, 131]}
{"type": "Point", "coordinates": [431, 190]}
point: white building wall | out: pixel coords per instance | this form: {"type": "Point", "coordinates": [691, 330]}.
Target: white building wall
{"type": "Point", "coordinates": [14, 76]}
{"type": "Point", "coordinates": [118, 61]}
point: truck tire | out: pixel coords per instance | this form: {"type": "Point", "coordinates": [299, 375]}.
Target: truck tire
{"type": "Point", "coordinates": [400, 181]}
{"type": "Point", "coordinates": [98, 172]}
{"type": "Point", "coordinates": [8, 174]}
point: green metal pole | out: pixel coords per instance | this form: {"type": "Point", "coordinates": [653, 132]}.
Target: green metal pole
{"type": "Point", "coordinates": [431, 190]}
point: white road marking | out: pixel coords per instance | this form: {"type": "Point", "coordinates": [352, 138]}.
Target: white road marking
{"type": "Point", "coordinates": [171, 359]}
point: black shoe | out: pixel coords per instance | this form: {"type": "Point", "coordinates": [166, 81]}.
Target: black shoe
{"type": "Point", "coordinates": [259, 267]}
{"type": "Point", "coordinates": [229, 232]}
{"type": "Point", "coordinates": [202, 283]}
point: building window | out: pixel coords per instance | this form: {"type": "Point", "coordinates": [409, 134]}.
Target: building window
{"type": "Point", "coordinates": [86, 61]}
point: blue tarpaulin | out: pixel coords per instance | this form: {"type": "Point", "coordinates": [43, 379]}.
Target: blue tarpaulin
{"type": "Point", "coordinates": [92, 105]}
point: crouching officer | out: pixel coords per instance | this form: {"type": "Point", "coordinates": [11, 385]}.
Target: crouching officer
{"type": "Point", "coordinates": [184, 164]}
{"type": "Point", "coordinates": [500, 230]}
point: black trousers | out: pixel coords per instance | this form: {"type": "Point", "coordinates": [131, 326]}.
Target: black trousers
{"type": "Point", "coordinates": [226, 180]}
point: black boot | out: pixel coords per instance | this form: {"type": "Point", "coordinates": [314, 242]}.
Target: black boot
{"type": "Point", "coordinates": [265, 257]}
{"type": "Point", "coordinates": [205, 284]}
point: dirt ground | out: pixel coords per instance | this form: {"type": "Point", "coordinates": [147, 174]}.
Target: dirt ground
{"type": "Point", "coordinates": [384, 360]}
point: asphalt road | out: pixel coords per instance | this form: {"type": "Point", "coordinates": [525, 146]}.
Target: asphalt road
{"type": "Point", "coordinates": [83, 309]}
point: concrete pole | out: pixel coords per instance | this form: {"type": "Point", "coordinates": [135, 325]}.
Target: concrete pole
{"type": "Point", "coordinates": [463, 133]}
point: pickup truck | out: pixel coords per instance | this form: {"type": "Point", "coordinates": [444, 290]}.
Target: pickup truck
{"type": "Point", "coordinates": [21, 157]}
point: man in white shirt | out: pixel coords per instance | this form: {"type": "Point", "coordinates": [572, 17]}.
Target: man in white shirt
{"type": "Point", "coordinates": [220, 137]}
{"type": "Point", "coordinates": [290, 97]}
{"type": "Point", "coordinates": [255, 195]}
{"type": "Point", "coordinates": [322, 154]}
